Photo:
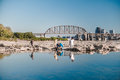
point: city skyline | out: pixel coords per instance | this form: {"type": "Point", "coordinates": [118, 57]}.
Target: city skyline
{"type": "Point", "coordinates": [39, 15]}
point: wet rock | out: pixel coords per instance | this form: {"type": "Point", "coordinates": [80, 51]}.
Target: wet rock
{"type": "Point", "coordinates": [98, 47]}
{"type": "Point", "coordinates": [72, 49]}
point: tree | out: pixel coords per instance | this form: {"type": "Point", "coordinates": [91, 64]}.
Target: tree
{"type": "Point", "coordinates": [5, 31]}
{"type": "Point", "coordinates": [26, 35]}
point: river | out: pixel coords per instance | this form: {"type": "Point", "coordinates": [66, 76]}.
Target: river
{"type": "Point", "coordinates": [67, 66]}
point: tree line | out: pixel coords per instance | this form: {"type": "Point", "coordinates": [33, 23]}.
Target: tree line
{"type": "Point", "coordinates": [7, 34]}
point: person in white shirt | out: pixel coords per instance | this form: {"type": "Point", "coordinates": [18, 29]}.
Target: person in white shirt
{"type": "Point", "coordinates": [72, 43]}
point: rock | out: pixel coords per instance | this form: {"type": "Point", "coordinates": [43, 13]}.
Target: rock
{"type": "Point", "coordinates": [90, 48]}
{"type": "Point", "coordinates": [2, 49]}
{"type": "Point", "coordinates": [2, 45]}
{"type": "Point", "coordinates": [23, 49]}
{"type": "Point", "coordinates": [118, 46]}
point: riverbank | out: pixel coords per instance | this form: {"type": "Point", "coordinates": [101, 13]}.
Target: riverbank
{"type": "Point", "coordinates": [81, 46]}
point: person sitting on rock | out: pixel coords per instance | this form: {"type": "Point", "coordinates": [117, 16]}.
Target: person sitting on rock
{"type": "Point", "coordinates": [59, 46]}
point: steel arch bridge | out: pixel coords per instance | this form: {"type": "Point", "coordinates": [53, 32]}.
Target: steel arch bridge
{"type": "Point", "coordinates": [65, 29]}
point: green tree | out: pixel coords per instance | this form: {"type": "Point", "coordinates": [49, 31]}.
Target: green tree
{"type": "Point", "coordinates": [19, 35]}
{"type": "Point", "coordinates": [29, 35]}
{"type": "Point", "coordinates": [26, 35]}
{"type": "Point", "coordinates": [5, 32]}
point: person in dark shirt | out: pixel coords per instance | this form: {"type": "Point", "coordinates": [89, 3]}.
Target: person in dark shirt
{"type": "Point", "coordinates": [31, 42]}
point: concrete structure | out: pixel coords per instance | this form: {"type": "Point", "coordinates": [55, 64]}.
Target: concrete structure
{"type": "Point", "coordinates": [98, 36]}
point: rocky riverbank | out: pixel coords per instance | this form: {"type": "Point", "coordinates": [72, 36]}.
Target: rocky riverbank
{"type": "Point", "coordinates": [81, 46]}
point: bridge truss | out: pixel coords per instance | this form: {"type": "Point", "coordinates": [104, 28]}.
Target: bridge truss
{"type": "Point", "coordinates": [65, 29]}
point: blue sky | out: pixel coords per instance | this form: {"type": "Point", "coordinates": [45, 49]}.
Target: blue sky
{"type": "Point", "coordinates": [39, 15]}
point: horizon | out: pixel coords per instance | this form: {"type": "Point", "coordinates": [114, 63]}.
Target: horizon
{"type": "Point", "coordinates": [39, 15]}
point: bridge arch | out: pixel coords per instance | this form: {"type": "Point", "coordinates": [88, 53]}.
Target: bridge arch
{"type": "Point", "coordinates": [65, 29]}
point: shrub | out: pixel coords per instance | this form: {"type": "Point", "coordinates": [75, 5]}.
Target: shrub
{"type": "Point", "coordinates": [5, 31]}
{"type": "Point", "coordinates": [26, 35]}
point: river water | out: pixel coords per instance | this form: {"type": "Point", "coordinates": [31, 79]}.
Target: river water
{"type": "Point", "coordinates": [67, 66]}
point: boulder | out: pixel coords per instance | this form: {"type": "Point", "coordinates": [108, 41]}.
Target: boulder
{"type": "Point", "coordinates": [118, 46]}
{"type": "Point", "coordinates": [2, 49]}
{"type": "Point", "coordinates": [23, 49]}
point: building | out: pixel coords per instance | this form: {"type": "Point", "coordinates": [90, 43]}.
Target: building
{"type": "Point", "coordinates": [98, 30]}
{"type": "Point", "coordinates": [111, 31]}
{"type": "Point", "coordinates": [103, 31]}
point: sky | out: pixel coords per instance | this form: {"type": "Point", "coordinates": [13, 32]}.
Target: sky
{"type": "Point", "coordinates": [39, 15]}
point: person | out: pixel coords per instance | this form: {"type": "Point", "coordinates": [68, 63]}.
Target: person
{"type": "Point", "coordinates": [55, 42]}
{"type": "Point", "coordinates": [72, 42]}
{"type": "Point", "coordinates": [59, 46]}
{"type": "Point", "coordinates": [31, 42]}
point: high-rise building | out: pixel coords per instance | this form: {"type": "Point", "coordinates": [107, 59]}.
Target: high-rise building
{"type": "Point", "coordinates": [111, 31]}
{"type": "Point", "coordinates": [98, 30]}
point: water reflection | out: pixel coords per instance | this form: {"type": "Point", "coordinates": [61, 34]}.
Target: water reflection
{"type": "Point", "coordinates": [3, 55]}
{"type": "Point", "coordinates": [32, 56]}
{"type": "Point", "coordinates": [61, 53]}
{"type": "Point", "coordinates": [58, 53]}
{"type": "Point", "coordinates": [72, 56]}
{"type": "Point", "coordinates": [104, 52]}
{"type": "Point", "coordinates": [91, 52]}
{"type": "Point", "coordinates": [64, 53]}
{"type": "Point", "coordinates": [55, 56]}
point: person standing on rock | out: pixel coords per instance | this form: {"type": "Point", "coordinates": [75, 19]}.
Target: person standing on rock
{"type": "Point", "coordinates": [55, 42]}
{"type": "Point", "coordinates": [31, 42]}
{"type": "Point", "coordinates": [72, 43]}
